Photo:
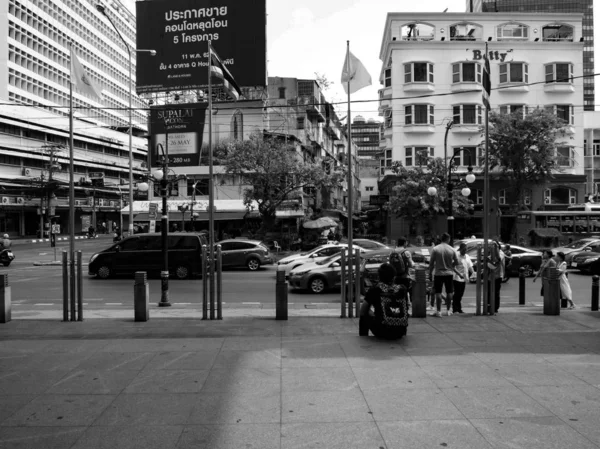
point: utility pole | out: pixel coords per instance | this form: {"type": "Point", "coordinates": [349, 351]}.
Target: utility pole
{"type": "Point", "coordinates": [49, 188]}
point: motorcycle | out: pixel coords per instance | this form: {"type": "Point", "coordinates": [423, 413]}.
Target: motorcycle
{"type": "Point", "coordinates": [6, 257]}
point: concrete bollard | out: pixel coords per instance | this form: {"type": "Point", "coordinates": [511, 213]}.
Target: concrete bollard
{"type": "Point", "coordinates": [281, 296]}
{"type": "Point", "coordinates": [521, 286]}
{"type": "Point", "coordinates": [552, 292]}
{"type": "Point", "coordinates": [419, 294]}
{"type": "Point", "coordinates": [141, 297]}
{"type": "Point", "coordinates": [595, 291]}
{"type": "Point", "coordinates": [5, 300]}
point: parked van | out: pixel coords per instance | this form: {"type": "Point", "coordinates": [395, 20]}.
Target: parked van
{"type": "Point", "coordinates": [143, 252]}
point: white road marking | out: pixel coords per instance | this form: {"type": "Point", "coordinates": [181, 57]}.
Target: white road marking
{"type": "Point", "coordinates": [44, 304]}
{"type": "Point", "coordinates": [251, 303]}
{"type": "Point", "coordinates": [114, 303]}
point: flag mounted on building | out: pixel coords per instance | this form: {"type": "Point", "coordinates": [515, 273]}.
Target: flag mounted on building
{"type": "Point", "coordinates": [487, 85]}
{"type": "Point", "coordinates": [81, 80]}
{"type": "Point", "coordinates": [354, 72]}
{"type": "Point", "coordinates": [219, 70]}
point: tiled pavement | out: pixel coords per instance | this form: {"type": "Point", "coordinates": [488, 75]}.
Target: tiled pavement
{"type": "Point", "coordinates": [516, 380]}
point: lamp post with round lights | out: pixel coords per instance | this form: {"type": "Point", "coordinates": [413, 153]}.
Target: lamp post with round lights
{"type": "Point", "coordinates": [161, 176]}
{"type": "Point", "coordinates": [466, 191]}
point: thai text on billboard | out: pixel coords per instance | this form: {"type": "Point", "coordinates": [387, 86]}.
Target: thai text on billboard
{"type": "Point", "coordinates": [179, 32]}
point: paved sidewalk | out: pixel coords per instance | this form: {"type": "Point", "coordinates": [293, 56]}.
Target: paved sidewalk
{"type": "Point", "coordinates": [516, 380]}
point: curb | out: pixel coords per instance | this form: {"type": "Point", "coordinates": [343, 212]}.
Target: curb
{"type": "Point", "coordinates": [53, 262]}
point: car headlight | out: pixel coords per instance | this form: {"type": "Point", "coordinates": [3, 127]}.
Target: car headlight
{"type": "Point", "coordinates": [94, 256]}
{"type": "Point", "coordinates": [283, 262]}
{"type": "Point", "coordinates": [591, 259]}
{"type": "Point", "coordinates": [299, 273]}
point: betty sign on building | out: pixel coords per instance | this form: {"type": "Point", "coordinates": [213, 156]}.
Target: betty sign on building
{"type": "Point", "coordinates": [178, 130]}
{"type": "Point", "coordinates": [179, 32]}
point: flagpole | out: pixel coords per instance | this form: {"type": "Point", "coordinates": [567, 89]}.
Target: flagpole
{"type": "Point", "coordinates": [350, 288]}
{"type": "Point", "coordinates": [211, 230]}
{"type": "Point", "coordinates": [486, 206]}
{"type": "Point", "coordinates": [71, 199]}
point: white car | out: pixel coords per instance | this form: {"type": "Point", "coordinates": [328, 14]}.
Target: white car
{"type": "Point", "coordinates": [288, 263]}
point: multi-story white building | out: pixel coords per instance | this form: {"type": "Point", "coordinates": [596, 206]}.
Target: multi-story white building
{"type": "Point", "coordinates": [35, 40]}
{"type": "Point", "coordinates": [432, 77]}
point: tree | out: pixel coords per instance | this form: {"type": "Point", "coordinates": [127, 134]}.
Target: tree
{"type": "Point", "coordinates": [323, 81]}
{"type": "Point", "coordinates": [523, 148]}
{"type": "Point", "coordinates": [276, 173]}
{"type": "Point", "coordinates": [411, 200]}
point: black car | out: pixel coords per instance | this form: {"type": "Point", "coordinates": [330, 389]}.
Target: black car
{"type": "Point", "coordinates": [587, 262]}
{"type": "Point", "coordinates": [143, 252]}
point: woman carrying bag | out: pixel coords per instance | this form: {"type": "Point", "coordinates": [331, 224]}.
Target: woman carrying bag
{"type": "Point", "coordinates": [565, 286]}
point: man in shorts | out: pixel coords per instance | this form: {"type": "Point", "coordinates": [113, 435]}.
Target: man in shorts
{"type": "Point", "coordinates": [442, 267]}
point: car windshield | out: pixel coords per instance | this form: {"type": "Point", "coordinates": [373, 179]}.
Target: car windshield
{"type": "Point", "coordinates": [577, 244]}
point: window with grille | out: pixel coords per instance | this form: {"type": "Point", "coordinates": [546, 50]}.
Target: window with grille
{"type": "Point", "coordinates": [418, 72]}
{"type": "Point", "coordinates": [466, 72]}
{"type": "Point", "coordinates": [559, 72]}
{"type": "Point", "coordinates": [388, 77]}
{"type": "Point", "coordinates": [514, 72]}
{"type": "Point", "coordinates": [563, 111]}
{"type": "Point", "coordinates": [467, 114]}
{"type": "Point", "coordinates": [512, 108]}
{"type": "Point", "coordinates": [419, 114]}
{"type": "Point", "coordinates": [564, 156]}
{"type": "Point", "coordinates": [417, 156]}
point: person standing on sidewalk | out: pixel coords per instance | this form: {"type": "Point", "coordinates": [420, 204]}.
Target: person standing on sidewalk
{"type": "Point", "coordinates": [496, 264]}
{"type": "Point", "coordinates": [402, 262]}
{"type": "Point", "coordinates": [465, 268]}
{"type": "Point", "coordinates": [565, 286]}
{"type": "Point", "coordinates": [547, 263]}
{"type": "Point", "coordinates": [442, 267]}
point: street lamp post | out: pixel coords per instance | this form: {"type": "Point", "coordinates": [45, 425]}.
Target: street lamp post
{"type": "Point", "coordinates": [102, 10]}
{"type": "Point", "coordinates": [193, 216]}
{"type": "Point", "coordinates": [162, 176]}
{"type": "Point", "coordinates": [466, 191]}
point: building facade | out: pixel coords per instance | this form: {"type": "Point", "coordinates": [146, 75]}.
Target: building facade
{"type": "Point", "coordinates": [35, 41]}
{"type": "Point", "coordinates": [432, 100]}
{"type": "Point", "coordinates": [366, 135]}
{"type": "Point", "coordinates": [585, 7]}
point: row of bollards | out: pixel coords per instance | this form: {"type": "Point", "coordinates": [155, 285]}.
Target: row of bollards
{"type": "Point", "coordinates": [72, 286]}
{"type": "Point", "coordinates": [211, 272]}
{"type": "Point", "coordinates": [350, 284]}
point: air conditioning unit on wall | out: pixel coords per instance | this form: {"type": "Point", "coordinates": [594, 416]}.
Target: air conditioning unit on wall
{"type": "Point", "coordinates": [5, 200]}
{"type": "Point", "coordinates": [20, 200]}
{"type": "Point", "coordinates": [26, 171]}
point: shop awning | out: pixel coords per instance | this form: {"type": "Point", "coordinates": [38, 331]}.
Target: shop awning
{"type": "Point", "coordinates": [546, 232]}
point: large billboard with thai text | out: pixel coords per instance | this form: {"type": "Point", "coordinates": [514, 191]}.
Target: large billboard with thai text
{"type": "Point", "coordinates": [180, 30]}
{"type": "Point", "coordinates": [177, 132]}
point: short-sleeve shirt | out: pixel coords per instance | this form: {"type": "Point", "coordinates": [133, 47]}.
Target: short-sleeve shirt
{"type": "Point", "coordinates": [464, 267]}
{"type": "Point", "coordinates": [443, 258]}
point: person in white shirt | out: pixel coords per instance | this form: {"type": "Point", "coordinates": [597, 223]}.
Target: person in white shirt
{"type": "Point", "coordinates": [465, 268]}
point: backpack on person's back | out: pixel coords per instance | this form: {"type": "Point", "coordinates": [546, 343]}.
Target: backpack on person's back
{"type": "Point", "coordinates": [397, 261]}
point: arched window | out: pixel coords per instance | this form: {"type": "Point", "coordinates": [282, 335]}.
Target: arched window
{"type": "Point", "coordinates": [237, 125]}
{"type": "Point", "coordinates": [560, 195]}
{"type": "Point", "coordinates": [417, 32]}
{"type": "Point", "coordinates": [557, 32]}
{"type": "Point", "coordinates": [512, 31]}
{"type": "Point", "coordinates": [465, 32]}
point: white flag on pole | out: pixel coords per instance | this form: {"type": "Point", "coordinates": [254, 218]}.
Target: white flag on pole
{"type": "Point", "coordinates": [355, 72]}
{"type": "Point", "coordinates": [80, 79]}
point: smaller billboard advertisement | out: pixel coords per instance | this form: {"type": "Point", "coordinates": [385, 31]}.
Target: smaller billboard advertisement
{"type": "Point", "coordinates": [177, 131]}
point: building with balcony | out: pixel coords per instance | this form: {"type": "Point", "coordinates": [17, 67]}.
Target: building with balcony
{"type": "Point", "coordinates": [432, 77]}
{"type": "Point", "coordinates": [585, 7]}
{"type": "Point", "coordinates": [366, 135]}
{"type": "Point", "coordinates": [298, 108]}
{"type": "Point", "coordinates": [34, 125]}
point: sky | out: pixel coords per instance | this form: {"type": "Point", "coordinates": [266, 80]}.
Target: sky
{"type": "Point", "coordinates": [306, 37]}
{"type": "Point", "coordinates": [311, 37]}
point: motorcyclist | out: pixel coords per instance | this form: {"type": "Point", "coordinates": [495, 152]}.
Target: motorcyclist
{"type": "Point", "coordinates": [6, 243]}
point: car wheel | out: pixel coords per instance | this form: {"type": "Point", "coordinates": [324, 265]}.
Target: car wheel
{"type": "Point", "coordinates": [182, 272]}
{"type": "Point", "coordinates": [527, 270]}
{"type": "Point", "coordinates": [253, 264]}
{"type": "Point", "coordinates": [104, 272]}
{"type": "Point", "coordinates": [317, 285]}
